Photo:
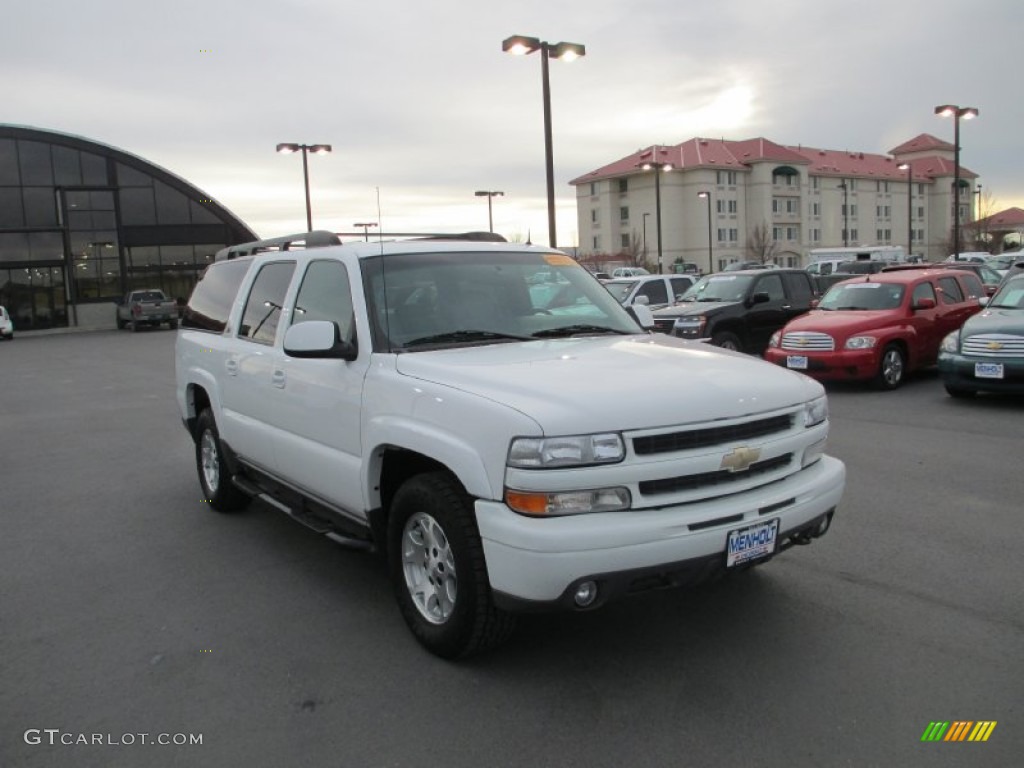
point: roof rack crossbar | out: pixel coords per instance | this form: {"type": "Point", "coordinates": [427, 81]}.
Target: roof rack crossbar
{"type": "Point", "coordinates": [319, 238]}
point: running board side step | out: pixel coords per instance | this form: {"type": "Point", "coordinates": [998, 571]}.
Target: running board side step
{"type": "Point", "coordinates": [315, 522]}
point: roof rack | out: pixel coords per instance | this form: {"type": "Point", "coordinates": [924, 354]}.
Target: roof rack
{"type": "Point", "coordinates": [321, 239]}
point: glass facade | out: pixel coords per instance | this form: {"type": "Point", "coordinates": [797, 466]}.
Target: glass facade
{"type": "Point", "coordinates": [84, 223]}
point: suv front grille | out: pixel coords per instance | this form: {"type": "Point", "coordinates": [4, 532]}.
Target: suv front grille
{"type": "Point", "coordinates": [994, 345]}
{"type": "Point", "coordinates": [664, 326]}
{"type": "Point", "coordinates": [808, 340]}
{"type": "Point", "coordinates": [718, 477]}
{"type": "Point", "coordinates": [709, 436]}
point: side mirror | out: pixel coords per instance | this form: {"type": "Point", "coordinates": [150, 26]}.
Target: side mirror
{"type": "Point", "coordinates": [814, 303]}
{"type": "Point", "coordinates": [760, 298]}
{"type": "Point", "coordinates": [317, 338]}
{"type": "Point", "coordinates": [643, 315]}
{"type": "Point", "coordinates": [924, 304]}
{"type": "Point", "coordinates": [983, 301]}
{"type": "Point", "coordinates": [643, 301]}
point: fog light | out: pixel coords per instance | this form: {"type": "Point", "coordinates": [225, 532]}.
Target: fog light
{"type": "Point", "coordinates": [586, 594]}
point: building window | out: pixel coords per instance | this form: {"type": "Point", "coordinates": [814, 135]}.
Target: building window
{"type": "Point", "coordinates": [853, 234]}
{"type": "Point", "coordinates": [721, 235]}
{"type": "Point", "coordinates": [816, 209]}
{"type": "Point", "coordinates": [888, 235]}
{"type": "Point", "coordinates": [776, 233]}
{"type": "Point", "coordinates": [815, 182]}
{"type": "Point", "coordinates": [597, 242]}
{"type": "Point", "coordinates": [623, 185]}
{"type": "Point", "coordinates": [920, 234]}
{"type": "Point", "coordinates": [881, 186]}
{"type": "Point", "coordinates": [792, 206]}
{"type": "Point", "coordinates": [732, 206]}
{"type": "Point", "coordinates": [791, 234]}
{"type": "Point", "coordinates": [727, 177]}
{"type": "Point", "coordinates": [593, 216]}
{"type": "Point", "coordinates": [593, 188]}
{"type": "Point", "coordinates": [624, 213]}
{"type": "Point", "coordinates": [852, 184]}
{"type": "Point", "coordinates": [920, 189]}
{"type": "Point", "coordinates": [720, 205]}
{"type": "Point", "coordinates": [920, 212]}
{"type": "Point", "coordinates": [775, 205]}
{"type": "Point", "coordinates": [815, 235]}
{"type": "Point", "coordinates": [734, 235]}
{"type": "Point", "coordinates": [624, 241]}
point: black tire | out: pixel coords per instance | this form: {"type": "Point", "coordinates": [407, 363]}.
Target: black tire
{"type": "Point", "coordinates": [959, 392]}
{"type": "Point", "coordinates": [120, 323]}
{"type": "Point", "coordinates": [727, 340]}
{"type": "Point", "coordinates": [214, 477]}
{"type": "Point", "coordinates": [892, 368]}
{"type": "Point", "coordinates": [436, 562]}
{"type": "Point", "coordinates": [173, 325]}
{"type": "Point", "coordinates": [135, 326]}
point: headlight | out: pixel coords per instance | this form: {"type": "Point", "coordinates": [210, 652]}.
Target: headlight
{"type": "Point", "coordinates": [861, 342]}
{"type": "Point", "coordinates": [774, 340]}
{"type": "Point", "coordinates": [815, 411]}
{"type": "Point", "coordinates": [951, 343]}
{"type": "Point", "coordinates": [571, 451]}
{"type": "Point", "coordinates": [691, 324]}
{"type": "Point", "coordinates": [546, 504]}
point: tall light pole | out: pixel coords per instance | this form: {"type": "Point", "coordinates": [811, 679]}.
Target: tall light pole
{"type": "Point", "coordinates": [952, 110]}
{"type": "Point", "coordinates": [910, 206]}
{"type": "Point", "coordinates": [316, 149]}
{"type": "Point", "coordinates": [711, 261]}
{"type": "Point", "coordinates": [645, 235]}
{"type": "Point", "coordinates": [846, 212]}
{"type": "Point", "coordinates": [488, 194]}
{"type": "Point", "coordinates": [366, 228]}
{"type": "Point", "coordinates": [520, 45]}
{"type": "Point", "coordinates": [658, 166]}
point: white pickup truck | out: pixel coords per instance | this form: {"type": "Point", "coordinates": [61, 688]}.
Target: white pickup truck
{"type": "Point", "coordinates": [509, 444]}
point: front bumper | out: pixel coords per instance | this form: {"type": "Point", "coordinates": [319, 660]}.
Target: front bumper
{"type": "Point", "coordinates": [536, 563]}
{"type": "Point", "coordinates": [846, 365]}
{"type": "Point", "coordinates": [958, 371]}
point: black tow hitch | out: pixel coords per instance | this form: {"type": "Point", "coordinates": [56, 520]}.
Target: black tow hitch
{"type": "Point", "coordinates": [813, 530]}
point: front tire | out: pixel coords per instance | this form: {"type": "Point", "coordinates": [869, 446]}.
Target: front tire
{"type": "Point", "coordinates": [135, 326]}
{"type": "Point", "coordinates": [727, 340]}
{"type": "Point", "coordinates": [891, 368]}
{"type": "Point", "coordinates": [173, 325]}
{"type": "Point", "coordinates": [214, 476]}
{"type": "Point", "coordinates": [437, 567]}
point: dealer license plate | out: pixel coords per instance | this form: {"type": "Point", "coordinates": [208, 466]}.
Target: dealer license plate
{"type": "Point", "coordinates": [751, 543]}
{"type": "Point", "coordinates": [988, 370]}
{"type": "Point", "coordinates": [797, 361]}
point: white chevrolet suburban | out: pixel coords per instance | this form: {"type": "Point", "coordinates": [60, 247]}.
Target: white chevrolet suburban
{"type": "Point", "coordinates": [508, 443]}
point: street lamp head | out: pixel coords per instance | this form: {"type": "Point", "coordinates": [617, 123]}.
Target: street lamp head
{"type": "Point", "coordinates": [320, 149]}
{"type": "Point", "coordinates": [567, 51]}
{"type": "Point", "coordinates": [952, 110]}
{"type": "Point", "coordinates": [946, 110]}
{"type": "Point", "coordinates": [287, 149]}
{"type": "Point", "coordinates": [903, 167]}
{"type": "Point", "coordinates": [520, 45]}
{"type": "Point", "coordinates": [703, 195]}
{"type": "Point", "coordinates": [488, 193]}
{"type": "Point", "coordinates": [365, 224]}
{"type": "Point", "coordinates": [968, 112]}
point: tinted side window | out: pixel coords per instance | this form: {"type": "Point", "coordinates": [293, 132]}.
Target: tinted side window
{"type": "Point", "coordinates": [655, 291]}
{"type": "Point", "coordinates": [263, 308]}
{"type": "Point", "coordinates": [950, 291]}
{"type": "Point", "coordinates": [210, 304]}
{"type": "Point", "coordinates": [772, 285]}
{"type": "Point", "coordinates": [679, 285]}
{"type": "Point", "coordinates": [325, 295]}
{"type": "Point", "coordinates": [975, 290]}
{"type": "Point", "coordinates": [799, 288]}
{"type": "Point", "coordinates": [922, 291]}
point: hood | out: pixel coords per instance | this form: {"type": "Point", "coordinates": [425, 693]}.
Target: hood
{"type": "Point", "coordinates": [995, 321]}
{"type": "Point", "coordinates": [842, 324]}
{"type": "Point", "coordinates": [690, 308]}
{"type": "Point", "coordinates": [586, 385]}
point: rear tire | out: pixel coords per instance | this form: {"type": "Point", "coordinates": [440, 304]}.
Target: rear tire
{"type": "Point", "coordinates": [727, 340]}
{"type": "Point", "coordinates": [135, 326]}
{"type": "Point", "coordinates": [214, 476]}
{"type": "Point", "coordinates": [173, 325]}
{"type": "Point", "coordinates": [891, 368]}
{"type": "Point", "coordinates": [437, 567]}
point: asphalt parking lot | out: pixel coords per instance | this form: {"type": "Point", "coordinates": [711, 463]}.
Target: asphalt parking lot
{"type": "Point", "coordinates": [128, 608]}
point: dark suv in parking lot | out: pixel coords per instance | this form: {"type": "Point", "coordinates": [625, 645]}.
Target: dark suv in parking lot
{"type": "Point", "coordinates": [739, 310]}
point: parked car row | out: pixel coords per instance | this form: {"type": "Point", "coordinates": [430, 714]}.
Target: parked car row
{"type": "Point", "coordinates": [6, 325]}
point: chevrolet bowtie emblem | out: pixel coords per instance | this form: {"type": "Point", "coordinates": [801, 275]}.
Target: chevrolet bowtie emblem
{"type": "Point", "coordinates": [802, 342]}
{"type": "Point", "coordinates": [994, 345]}
{"type": "Point", "coordinates": [740, 459]}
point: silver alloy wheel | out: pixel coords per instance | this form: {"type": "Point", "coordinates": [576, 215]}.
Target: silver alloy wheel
{"type": "Point", "coordinates": [429, 568]}
{"type": "Point", "coordinates": [210, 461]}
{"type": "Point", "coordinates": [892, 367]}
{"type": "Point", "coordinates": [729, 344]}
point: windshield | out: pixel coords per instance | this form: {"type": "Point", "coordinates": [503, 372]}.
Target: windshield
{"type": "Point", "coordinates": [147, 296]}
{"type": "Point", "coordinates": [421, 301]}
{"type": "Point", "coordinates": [719, 288]}
{"type": "Point", "coordinates": [863, 296]}
{"type": "Point", "coordinates": [1009, 296]}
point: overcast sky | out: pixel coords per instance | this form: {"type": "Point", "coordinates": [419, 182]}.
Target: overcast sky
{"type": "Point", "coordinates": [421, 104]}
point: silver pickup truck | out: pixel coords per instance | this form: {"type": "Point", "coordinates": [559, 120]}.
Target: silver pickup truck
{"type": "Point", "coordinates": [147, 307]}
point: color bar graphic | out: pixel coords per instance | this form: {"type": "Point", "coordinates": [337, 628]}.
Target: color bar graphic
{"type": "Point", "coordinates": [958, 730]}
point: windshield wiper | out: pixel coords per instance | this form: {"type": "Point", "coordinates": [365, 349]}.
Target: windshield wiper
{"type": "Point", "coordinates": [845, 309]}
{"type": "Point", "coordinates": [572, 330]}
{"type": "Point", "coordinates": [459, 336]}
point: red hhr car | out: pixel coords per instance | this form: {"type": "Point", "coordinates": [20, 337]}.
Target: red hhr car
{"type": "Point", "coordinates": [878, 327]}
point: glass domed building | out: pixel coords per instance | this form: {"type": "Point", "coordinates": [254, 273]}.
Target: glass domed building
{"type": "Point", "coordinates": [82, 223]}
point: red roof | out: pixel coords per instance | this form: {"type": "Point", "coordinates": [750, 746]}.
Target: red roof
{"type": "Point", "coordinates": [719, 153]}
{"type": "Point", "coordinates": [922, 143]}
{"type": "Point", "coordinates": [1011, 218]}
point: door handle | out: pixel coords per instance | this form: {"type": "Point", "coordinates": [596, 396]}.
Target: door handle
{"type": "Point", "coordinates": [231, 364]}
{"type": "Point", "coordinates": [278, 378]}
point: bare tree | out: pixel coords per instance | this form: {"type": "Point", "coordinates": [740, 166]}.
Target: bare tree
{"type": "Point", "coordinates": [985, 238]}
{"type": "Point", "coordinates": [761, 246]}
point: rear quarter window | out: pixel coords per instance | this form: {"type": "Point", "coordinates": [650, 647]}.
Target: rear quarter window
{"type": "Point", "coordinates": [209, 306]}
{"type": "Point", "coordinates": [972, 285]}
